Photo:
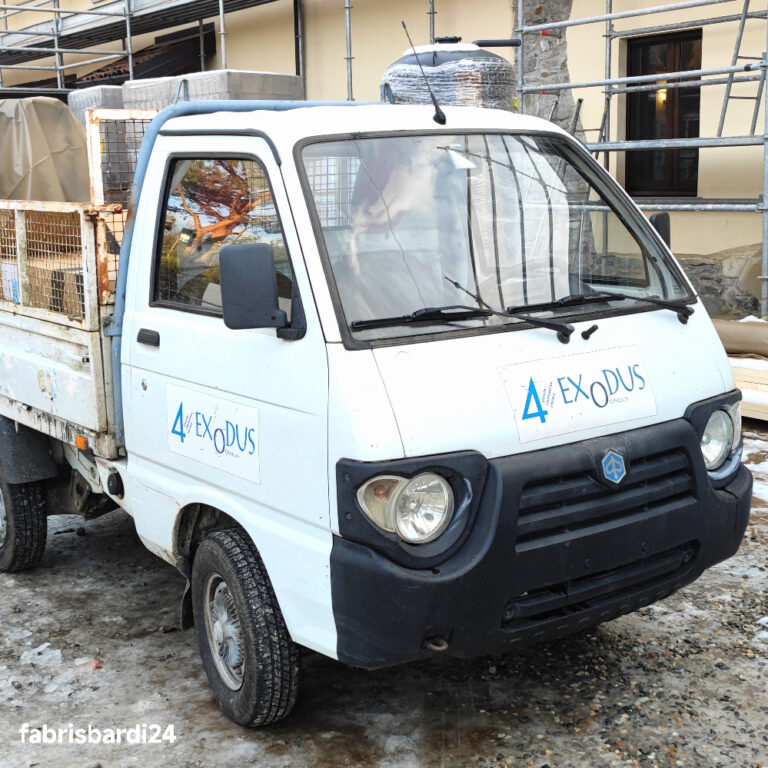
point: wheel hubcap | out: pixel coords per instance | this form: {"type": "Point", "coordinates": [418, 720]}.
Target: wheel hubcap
{"type": "Point", "coordinates": [3, 520]}
{"type": "Point", "coordinates": [225, 636]}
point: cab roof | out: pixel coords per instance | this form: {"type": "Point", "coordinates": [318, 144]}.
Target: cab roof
{"type": "Point", "coordinates": [286, 126]}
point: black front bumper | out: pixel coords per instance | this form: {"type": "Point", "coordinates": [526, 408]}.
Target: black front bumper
{"type": "Point", "coordinates": [550, 549]}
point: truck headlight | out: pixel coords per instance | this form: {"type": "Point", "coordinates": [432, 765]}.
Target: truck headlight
{"type": "Point", "coordinates": [418, 510]}
{"type": "Point", "coordinates": [717, 439]}
{"type": "Point", "coordinates": [423, 508]}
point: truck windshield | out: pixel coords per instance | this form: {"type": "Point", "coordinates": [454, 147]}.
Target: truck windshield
{"type": "Point", "coordinates": [498, 221]}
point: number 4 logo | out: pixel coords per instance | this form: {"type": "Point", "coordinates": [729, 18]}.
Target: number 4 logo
{"type": "Point", "coordinates": [533, 398]}
{"type": "Point", "coordinates": [178, 424]}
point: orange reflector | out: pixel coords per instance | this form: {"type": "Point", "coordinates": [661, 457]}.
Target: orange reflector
{"type": "Point", "coordinates": [81, 442]}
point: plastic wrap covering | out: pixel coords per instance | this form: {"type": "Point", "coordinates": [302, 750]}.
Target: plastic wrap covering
{"type": "Point", "coordinates": [460, 74]}
{"type": "Point", "coordinates": [159, 92]}
{"type": "Point", "coordinates": [44, 152]}
{"type": "Point", "coordinates": [96, 97]}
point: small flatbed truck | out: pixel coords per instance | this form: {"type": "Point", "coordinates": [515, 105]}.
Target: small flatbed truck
{"type": "Point", "coordinates": [378, 387]}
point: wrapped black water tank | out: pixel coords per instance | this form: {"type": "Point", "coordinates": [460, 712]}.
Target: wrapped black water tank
{"type": "Point", "coordinates": [459, 74]}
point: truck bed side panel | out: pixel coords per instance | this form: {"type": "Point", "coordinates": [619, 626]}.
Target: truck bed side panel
{"type": "Point", "coordinates": [52, 368]}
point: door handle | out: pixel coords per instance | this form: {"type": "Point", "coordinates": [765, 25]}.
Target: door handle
{"type": "Point", "coordinates": [146, 336]}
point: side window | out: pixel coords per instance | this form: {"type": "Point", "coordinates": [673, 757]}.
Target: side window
{"type": "Point", "coordinates": [212, 202]}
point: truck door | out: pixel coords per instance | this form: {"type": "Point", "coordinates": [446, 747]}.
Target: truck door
{"type": "Point", "coordinates": [234, 419]}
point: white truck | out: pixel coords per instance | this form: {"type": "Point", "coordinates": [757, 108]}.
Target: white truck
{"type": "Point", "coordinates": [378, 387]}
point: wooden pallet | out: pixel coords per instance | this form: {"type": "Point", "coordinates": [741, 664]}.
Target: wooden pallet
{"type": "Point", "coordinates": [751, 377]}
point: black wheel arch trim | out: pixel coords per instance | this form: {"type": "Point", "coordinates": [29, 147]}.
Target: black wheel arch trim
{"type": "Point", "coordinates": [25, 454]}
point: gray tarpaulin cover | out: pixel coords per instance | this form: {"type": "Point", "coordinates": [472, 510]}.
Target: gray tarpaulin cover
{"type": "Point", "coordinates": [42, 152]}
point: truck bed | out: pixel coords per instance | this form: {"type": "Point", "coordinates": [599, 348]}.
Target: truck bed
{"type": "Point", "coordinates": [58, 267]}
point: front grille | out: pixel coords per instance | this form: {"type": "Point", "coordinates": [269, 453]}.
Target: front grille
{"type": "Point", "coordinates": [658, 576]}
{"type": "Point", "coordinates": [556, 506]}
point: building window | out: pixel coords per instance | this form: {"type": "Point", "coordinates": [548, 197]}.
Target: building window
{"type": "Point", "coordinates": [670, 113]}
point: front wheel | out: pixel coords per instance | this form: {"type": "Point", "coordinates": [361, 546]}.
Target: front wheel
{"type": "Point", "coordinates": [251, 663]}
{"type": "Point", "coordinates": [23, 526]}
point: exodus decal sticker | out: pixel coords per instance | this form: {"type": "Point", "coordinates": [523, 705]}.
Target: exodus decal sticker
{"type": "Point", "coordinates": [216, 431]}
{"type": "Point", "coordinates": [576, 392]}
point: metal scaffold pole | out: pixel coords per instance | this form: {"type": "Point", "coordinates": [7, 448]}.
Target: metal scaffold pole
{"type": "Point", "coordinates": [520, 59]}
{"type": "Point", "coordinates": [431, 13]}
{"type": "Point", "coordinates": [606, 133]}
{"type": "Point", "coordinates": [222, 35]}
{"type": "Point", "coordinates": [607, 109]}
{"type": "Point", "coordinates": [128, 41]}
{"type": "Point", "coordinates": [56, 31]}
{"type": "Point", "coordinates": [764, 202]}
{"type": "Point", "coordinates": [348, 57]}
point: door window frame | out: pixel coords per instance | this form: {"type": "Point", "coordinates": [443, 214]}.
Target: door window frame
{"type": "Point", "coordinates": [170, 162]}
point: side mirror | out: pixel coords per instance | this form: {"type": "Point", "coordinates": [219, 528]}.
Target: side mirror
{"type": "Point", "coordinates": [249, 287]}
{"type": "Point", "coordinates": [660, 222]}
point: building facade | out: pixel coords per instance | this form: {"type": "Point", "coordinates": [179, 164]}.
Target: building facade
{"type": "Point", "coordinates": [316, 38]}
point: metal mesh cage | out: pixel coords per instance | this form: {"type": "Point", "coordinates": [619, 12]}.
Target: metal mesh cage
{"type": "Point", "coordinates": [120, 141]}
{"type": "Point", "coordinates": [55, 262]}
{"type": "Point", "coordinates": [46, 247]}
{"type": "Point", "coordinates": [120, 133]}
{"type": "Point", "coordinates": [9, 271]}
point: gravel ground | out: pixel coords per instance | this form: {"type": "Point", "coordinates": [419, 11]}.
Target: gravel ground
{"type": "Point", "coordinates": [90, 638]}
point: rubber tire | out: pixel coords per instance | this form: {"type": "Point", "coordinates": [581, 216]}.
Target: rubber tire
{"type": "Point", "coordinates": [27, 522]}
{"type": "Point", "coordinates": [271, 681]}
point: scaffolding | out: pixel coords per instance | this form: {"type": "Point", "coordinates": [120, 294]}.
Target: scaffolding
{"type": "Point", "coordinates": [736, 72]}
{"type": "Point", "coordinates": [77, 33]}
{"type": "Point", "coordinates": [43, 39]}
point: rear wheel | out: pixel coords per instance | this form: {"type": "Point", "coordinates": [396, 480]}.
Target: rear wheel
{"type": "Point", "coordinates": [251, 662]}
{"type": "Point", "coordinates": [23, 526]}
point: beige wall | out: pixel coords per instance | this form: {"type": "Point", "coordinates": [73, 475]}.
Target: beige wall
{"type": "Point", "coordinates": [262, 38]}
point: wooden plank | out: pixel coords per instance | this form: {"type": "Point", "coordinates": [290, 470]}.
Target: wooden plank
{"type": "Point", "coordinates": [751, 377]}
{"type": "Point", "coordinates": [760, 378]}
{"type": "Point", "coordinates": [748, 382]}
{"type": "Point", "coordinates": [754, 410]}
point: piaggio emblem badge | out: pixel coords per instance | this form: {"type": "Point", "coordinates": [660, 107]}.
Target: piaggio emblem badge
{"type": "Point", "coordinates": [614, 467]}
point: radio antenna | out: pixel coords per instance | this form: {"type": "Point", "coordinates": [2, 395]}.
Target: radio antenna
{"type": "Point", "coordinates": [439, 116]}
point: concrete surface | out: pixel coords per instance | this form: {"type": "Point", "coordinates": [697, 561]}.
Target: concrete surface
{"type": "Point", "coordinates": [89, 639]}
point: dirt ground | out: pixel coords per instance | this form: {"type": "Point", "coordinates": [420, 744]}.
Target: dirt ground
{"type": "Point", "coordinates": [90, 639]}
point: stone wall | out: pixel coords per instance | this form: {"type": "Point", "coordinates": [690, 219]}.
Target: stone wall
{"type": "Point", "coordinates": [727, 281]}
{"type": "Point", "coordinates": [546, 61]}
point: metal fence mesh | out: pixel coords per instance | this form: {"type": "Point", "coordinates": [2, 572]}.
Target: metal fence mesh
{"type": "Point", "coordinates": [120, 141]}
{"type": "Point", "coordinates": [55, 262]}
{"type": "Point", "coordinates": [9, 272]}
{"type": "Point", "coordinates": [48, 243]}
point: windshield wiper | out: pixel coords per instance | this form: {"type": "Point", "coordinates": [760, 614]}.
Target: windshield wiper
{"type": "Point", "coordinates": [564, 330]}
{"type": "Point", "coordinates": [571, 300]}
{"type": "Point", "coordinates": [683, 310]}
{"type": "Point", "coordinates": [427, 314]}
